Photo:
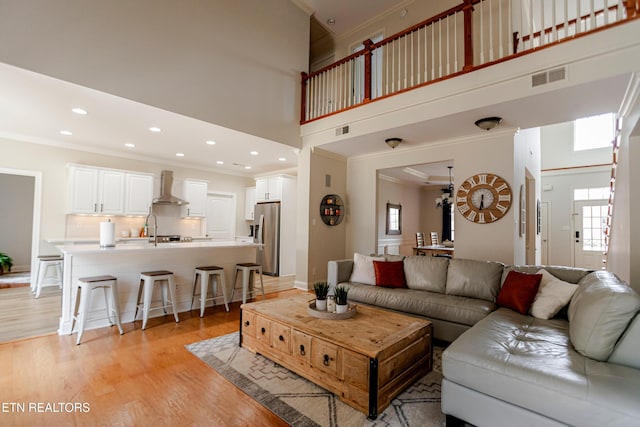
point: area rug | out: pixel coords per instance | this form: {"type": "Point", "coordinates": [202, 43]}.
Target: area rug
{"type": "Point", "coordinates": [301, 403]}
{"type": "Point", "coordinates": [15, 280]}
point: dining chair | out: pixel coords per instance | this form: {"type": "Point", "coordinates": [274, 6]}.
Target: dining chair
{"type": "Point", "coordinates": [434, 238]}
{"type": "Point", "coordinates": [419, 238]}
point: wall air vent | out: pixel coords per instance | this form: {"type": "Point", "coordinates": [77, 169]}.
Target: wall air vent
{"type": "Point", "coordinates": [555, 75]}
{"type": "Point", "coordinates": [342, 130]}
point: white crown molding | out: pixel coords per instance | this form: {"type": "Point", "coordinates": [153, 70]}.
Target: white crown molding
{"type": "Point", "coordinates": [302, 5]}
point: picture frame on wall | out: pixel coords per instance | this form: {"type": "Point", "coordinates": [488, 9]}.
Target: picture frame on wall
{"type": "Point", "coordinates": [523, 211]}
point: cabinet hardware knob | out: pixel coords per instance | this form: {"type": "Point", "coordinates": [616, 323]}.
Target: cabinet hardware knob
{"type": "Point", "coordinates": [326, 360]}
{"type": "Point", "coordinates": [301, 349]}
{"type": "Point", "coordinates": [281, 338]}
{"type": "Point", "coordinates": [101, 207]}
{"type": "Point", "coordinates": [263, 330]}
{"type": "Point", "coordinates": [247, 323]}
{"type": "Point", "coordinates": [95, 207]}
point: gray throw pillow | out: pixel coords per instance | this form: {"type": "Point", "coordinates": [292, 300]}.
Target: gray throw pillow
{"type": "Point", "coordinates": [474, 279]}
{"type": "Point", "coordinates": [599, 313]}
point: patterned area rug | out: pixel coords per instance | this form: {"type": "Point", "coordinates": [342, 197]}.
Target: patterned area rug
{"type": "Point", "coordinates": [301, 403]}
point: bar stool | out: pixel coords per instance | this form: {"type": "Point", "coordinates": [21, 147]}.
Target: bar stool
{"type": "Point", "coordinates": [85, 286]}
{"type": "Point", "coordinates": [205, 274]}
{"type": "Point", "coordinates": [147, 281]}
{"type": "Point", "coordinates": [248, 270]}
{"type": "Point", "coordinates": [45, 262]}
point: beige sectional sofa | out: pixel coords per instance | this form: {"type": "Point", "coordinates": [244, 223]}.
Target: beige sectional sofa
{"type": "Point", "coordinates": [504, 368]}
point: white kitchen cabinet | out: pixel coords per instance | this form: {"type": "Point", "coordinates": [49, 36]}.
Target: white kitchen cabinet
{"type": "Point", "coordinates": [269, 189]}
{"type": "Point", "coordinates": [249, 202]}
{"type": "Point", "coordinates": [138, 194]}
{"type": "Point", "coordinates": [95, 191]}
{"type": "Point", "coordinates": [194, 192]}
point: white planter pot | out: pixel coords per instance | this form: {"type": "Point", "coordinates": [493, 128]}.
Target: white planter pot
{"type": "Point", "coordinates": [341, 308]}
{"type": "Point", "coordinates": [321, 304]}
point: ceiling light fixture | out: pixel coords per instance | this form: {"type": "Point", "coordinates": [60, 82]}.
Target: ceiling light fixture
{"type": "Point", "coordinates": [254, 153]}
{"type": "Point", "coordinates": [393, 142]}
{"type": "Point", "coordinates": [180, 154]}
{"type": "Point", "coordinates": [447, 192]}
{"type": "Point", "coordinates": [130, 145]}
{"type": "Point", "coordinates": [331, 21]}
{"type": "Point", "coordinates": [66, 132]}
{"type": "Point", "coordinates": [80, 111]}
{"type": "Point", "coordinates": [211, 142]}
{"type": "Point", "coordinates": [247, 167]}
{"type": "Point", "coordinates": [488, 123]}
{"type": "Point", "coordinates": [282, 159]}
{"type": "Point", "coordinates": [220, 162]}
{"type": "Point", "coordinates": [155, 129]}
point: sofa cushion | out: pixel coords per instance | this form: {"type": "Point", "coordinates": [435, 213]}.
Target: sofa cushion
{"type": "Point", "coordinates": [627, 350]}
{"type": "Point", "coordinates": [553, 294]}
{"type": "Point", "coordinates": [474, 279]}
{"type": "Point", "coordinates": [426, 273]}
{"type": "Point", "coordinates": [599, 313]}
{"type": "Point", "coordinates": [363, 271]}
{"type": "Point", "coordinates": [519, 291]}
{"type": "Point", "coordinates": [389, 274]}
{"type": "Point", "coordinates": [460, 310]}
{"type": "Point", "coordinates": [567, 274]}
{"type": "Point", "coordinates": [530, 363]}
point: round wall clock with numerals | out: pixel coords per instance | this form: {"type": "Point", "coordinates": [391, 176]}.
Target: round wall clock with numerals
{"type": "Point", "coordinates": [483, 198]}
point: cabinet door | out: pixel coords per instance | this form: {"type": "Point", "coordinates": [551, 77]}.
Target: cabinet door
{"type": "Point", "coordinates": [275, 188]}
{"type": "Point", "coordinates": [249, 202]}
{"type": "Point", "coordinates": [195, 192]}
{"type": "Point", "coordinates": [139, 194]}
{"type": "Point", "coordinates": [262, 190]}
{"type": "Point", "coordinates": [111, 192]}
{"type": "Point", "coordinates": [83, 190]}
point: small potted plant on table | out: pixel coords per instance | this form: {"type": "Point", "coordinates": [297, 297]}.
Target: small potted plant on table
{"type": "Point", "coordinates": [341, 298]}
{"type": "Point", "coordinates": [5, 263]}
{"type": "Point", "coordinates": [321, 289]}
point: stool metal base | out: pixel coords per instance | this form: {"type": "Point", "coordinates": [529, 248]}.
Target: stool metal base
{"type": "Point", "coordinates": [206, 273]}
{"type": "Point", "coordinates": [145, 291]}
{"type": "Point", "coordinates": [248, 270]}
{"type": "Point", "coordinates": [85, 287]}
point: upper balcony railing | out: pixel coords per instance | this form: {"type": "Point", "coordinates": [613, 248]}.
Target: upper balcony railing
{"type": "Point", "coordinates": [474, 34]}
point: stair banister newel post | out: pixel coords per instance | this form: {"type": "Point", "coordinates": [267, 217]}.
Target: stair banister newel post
{"type": "Point", "coordinates": [367, 69]}
{"type": "Point", "coordinates": [632, 6]}
{"type": "Point", "coordinates": [467, 11]}
{"type": "Point", "coordinates": [303, 97]}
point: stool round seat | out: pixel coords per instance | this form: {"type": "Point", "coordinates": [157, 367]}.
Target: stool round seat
{"type": "Point", "coordinates": [85, 287]}
{"type": "Point", "coordinates": [248, 270]}
{"type": "Point", "coordinates": [45, 262]}
{"type": "Point", "coordinates": [148, 279]}
{"type": "Point", "coordinates": [215, 275]}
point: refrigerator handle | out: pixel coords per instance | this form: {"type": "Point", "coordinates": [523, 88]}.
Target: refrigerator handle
{"type": "Point", "coordinates": [261, 230]}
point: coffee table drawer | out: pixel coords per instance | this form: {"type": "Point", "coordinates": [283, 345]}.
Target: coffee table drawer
{"type": "Point", "coordinates": [324, 356]}
{"type": "Point", "coordinates": [355, 369]}
{"type": "Point", "coordinates": [249, 323]}
{"type": "Point", "coordinates": [302, 347]}
{"type": "Point", "coordinates": [281, 337]}
{"type": "Point", "coordinates": [263, 330]}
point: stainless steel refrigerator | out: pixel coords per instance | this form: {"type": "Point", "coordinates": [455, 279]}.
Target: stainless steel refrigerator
{"type": "Point", "coordinates": [267, 236]}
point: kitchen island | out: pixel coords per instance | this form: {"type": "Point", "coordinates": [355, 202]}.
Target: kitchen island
{"type": "Point", "coordinates": [127, 261]}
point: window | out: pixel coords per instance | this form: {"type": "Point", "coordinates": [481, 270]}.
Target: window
{"type": "Point", "coordinates": [593, 132]}
{"type": "Point", "coordinates": [595, 193]}
{"type": "Point", "coordinates": [394, 219]}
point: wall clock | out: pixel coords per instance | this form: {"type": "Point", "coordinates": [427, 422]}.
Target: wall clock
{"type": "Point", "coordinates": [483, 198]}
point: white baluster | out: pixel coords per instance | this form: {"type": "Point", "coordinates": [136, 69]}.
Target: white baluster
{"type": "Point", "coordinates": [542, 27]}
{"type": "Point", "coordinates": [399, 65]}
{"type": "Point", "coordinates": [386, 74]}
{"type": "Point", "coordinates": [412, 70]}
{"type": "Point", "coordinates": [500, 35]}
{"type": "Point", "coordinates": [481, 33]}
{"type": "Point", "coordinates": [566, 18]}
{"type": "Point", "coordinates": [440, 48]}
{"type": "Point", "coordinates": [605, 10]}
{"type": "Point", "coordinates": [490, 30]}
{"type": "Point", "coordinates": [578, 18]}
{"type": "Point", "coordinates": [455, 43]}
{"type": "Point", "coordinates": [592, 13]}
{"type": "Point", "coordinates": [510, 26]}
{"type": "Point", "coordinates": [554, 23]}
{"type": "Point", "coordinates": [433, 52]}
{"type": "Point", "coordinates": [405, 61]}
{"type": "Point", "coordinates": [418, 62]}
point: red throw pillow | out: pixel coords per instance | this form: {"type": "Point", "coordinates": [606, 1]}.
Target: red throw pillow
{"type": "Point", "coordinates": [389, 274]}
{"type": "Point", "coordinates": [519, 291]}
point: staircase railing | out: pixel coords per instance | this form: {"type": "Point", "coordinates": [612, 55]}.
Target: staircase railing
{"type": "Point", "coordinates": [473, 34]}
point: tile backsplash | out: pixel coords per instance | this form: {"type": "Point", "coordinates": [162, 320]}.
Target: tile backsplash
{"type": "Point", "coordinates": [88, 226]}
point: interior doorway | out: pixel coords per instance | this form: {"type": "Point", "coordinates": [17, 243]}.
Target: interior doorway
{"type": "Point", "coordinates": [589, 220]}
{"type": "Point", "coordinates": [221, 216]}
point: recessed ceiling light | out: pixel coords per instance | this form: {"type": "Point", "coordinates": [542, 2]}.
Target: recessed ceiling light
{"type": "Point", "coordinates": [155, 129]}
{"type": "Point", "coordinates": [211, 142]}
{"type": "Point", "coordinates": [130, 145]}
{"type": "Point", "coordinates": [282, 159]}
{"type": "Point", "coordinates": [80, 111]}
{"type": "Point", "coordinates": [331, 21]}
{"type": "Point", "coordinates": [247, 167]}
{"type": "Point", "coordinates": [180, 154]}
{"type": "Point", "coordinates": [66, 132]}
{"type": "Point", "coordinates": [220, 162]}
{"type": "Point", "coordinates": [254, 153]}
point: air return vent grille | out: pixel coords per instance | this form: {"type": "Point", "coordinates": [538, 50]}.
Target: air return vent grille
{"type": "Point", "coordinates": [555, 75]}
{"type": "Point", "coordinates": [342, 130]}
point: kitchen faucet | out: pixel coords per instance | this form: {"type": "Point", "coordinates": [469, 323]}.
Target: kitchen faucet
{"type": "Point", "coordinates": [155, 226]}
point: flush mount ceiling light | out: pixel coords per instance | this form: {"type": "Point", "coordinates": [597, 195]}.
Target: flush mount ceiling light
{"type": "Point", "coordinates": [155, 129]}
{"type": "Point", "coordinates": [80, 111]}
{"type": "Point", "coordinates": [254, 153]}
{"type": "Point", "coordinates": [179, 154]}
{"type": "Point", "coordinates": [211, 142]}
{"type": "Point", "coordinates": [488, 123]}
{"type": "Point", "coordinates": [393, 142]}
{"type": "Point", "coordinates": [66, 132]}
{"type": "Point", "coordinates": [130, 145]}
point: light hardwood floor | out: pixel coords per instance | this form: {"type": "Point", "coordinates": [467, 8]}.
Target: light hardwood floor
{"type": "Point", "coordinates": [141, 378]}
{"type": "Point", "coordinates": [24, 316]}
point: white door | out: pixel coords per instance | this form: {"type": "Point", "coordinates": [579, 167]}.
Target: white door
{"type": "Point", "coordinates": [544, 231]}
{"type": "Point", "coordinates": [588, 233]}
{"type": "Point", "coordinates": [221, 216]}
{"type": "Point", "coordinates": [376, 72]}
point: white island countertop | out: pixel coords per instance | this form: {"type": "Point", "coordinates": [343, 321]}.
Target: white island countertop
{"type": "Point", "coordinates": [73, 249]}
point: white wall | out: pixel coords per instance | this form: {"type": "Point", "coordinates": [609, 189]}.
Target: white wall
{"type": "Point", "coordinates": [235, 64]}
{"type": "Point", "coordinates": [557, 149]}
{"type": "Point", "coordinates": [470, 157]}
{"type": "Point", "coordinates": [16, 207]}
{"type": "Point", "coordinates": [407, 196]}
{"type": "Point", "coordinates": [52, 162]}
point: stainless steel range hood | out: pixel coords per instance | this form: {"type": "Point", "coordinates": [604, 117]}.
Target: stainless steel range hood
{"type": "Point", "coordinates": [166, 198]}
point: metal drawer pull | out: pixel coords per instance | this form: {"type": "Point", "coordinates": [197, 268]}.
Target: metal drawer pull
{"type": "Point", "coordinates": [281, 338]}
{"type": "Point", "coordinates": [247, 323]}
{"type": "Point", "coordinates": [326, 360]}
{"type": "Point", "coordinates": [302, 349]}
{"type": "Point", "coordinates": [263, 330]}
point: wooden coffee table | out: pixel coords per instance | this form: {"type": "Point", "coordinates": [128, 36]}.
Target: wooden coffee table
{"type": "Point", "coordinates": [366, 360]}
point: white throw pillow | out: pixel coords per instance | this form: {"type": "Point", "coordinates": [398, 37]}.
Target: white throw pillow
{"type": "Point", "coordinates": [553, 294]}
{"type": "Point", "coordinates": [363, 271]}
